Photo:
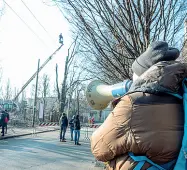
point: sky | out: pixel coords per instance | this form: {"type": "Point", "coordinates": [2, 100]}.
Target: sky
{"type": "Point", "coordinates": [20, 48]}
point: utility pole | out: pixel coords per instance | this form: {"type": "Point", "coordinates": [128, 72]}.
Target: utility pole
{"type": "Point", "coordinates": [35, 97]}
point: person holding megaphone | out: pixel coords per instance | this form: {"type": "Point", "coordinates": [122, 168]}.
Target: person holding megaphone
{"type": "Point", "coordinates": [147, 121]}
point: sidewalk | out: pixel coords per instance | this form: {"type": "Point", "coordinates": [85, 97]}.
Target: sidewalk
{"type": "Point", "coordinates": [16, 131]}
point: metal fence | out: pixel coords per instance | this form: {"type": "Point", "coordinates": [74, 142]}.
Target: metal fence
{"type": "Point", "coordinates": [88, 130]}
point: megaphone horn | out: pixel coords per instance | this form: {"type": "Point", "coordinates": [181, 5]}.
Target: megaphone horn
{"type": "Point", "coordinates": [99, 94]}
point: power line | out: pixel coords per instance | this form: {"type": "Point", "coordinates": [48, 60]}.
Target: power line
{"type": "Point", "coordinates": [37, 20]}
{"type": "Point", "coordinates": [26, 24]}
{"type": "Point", "coordinates": [58, 7]}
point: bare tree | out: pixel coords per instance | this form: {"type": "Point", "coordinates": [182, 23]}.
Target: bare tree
{"type": "Point", "coordinates": [45, 91]}
{"type": "Point", "coordinates": [15, 92]}
{"type": "Point", "coordinates": [73, 76]}
{"type": "Point", "coordinates": [79, 96]}
{"type": "Point", "coordinates": [62, 94]}
{"type": "Point", "coordinates": [1, 87]}
{"type": "Point", "coordinates": [32, 90]}
{"type": "Point", "coordinates": [2, 8]}
{"type": "Point", "coordinates": [7, 91]}
{"type": "Point", "coordinates": [115, 32]}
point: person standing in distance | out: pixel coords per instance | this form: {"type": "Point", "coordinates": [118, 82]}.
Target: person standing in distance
{"type": "Point", "coordinates": [63, 126]}
{"type": "Point", "coordinates": [77, 128]}
{"type": "Point", "coordinates": [71, 125]}
{"type": "Point", "coordinates": [4, 121]}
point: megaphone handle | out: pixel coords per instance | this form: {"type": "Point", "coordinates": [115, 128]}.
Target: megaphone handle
{"type": "Point", "coordinates": [121, 89]}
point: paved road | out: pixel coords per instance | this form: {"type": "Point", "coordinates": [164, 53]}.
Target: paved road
{"type": "Point", "coordinates": [44, 151]}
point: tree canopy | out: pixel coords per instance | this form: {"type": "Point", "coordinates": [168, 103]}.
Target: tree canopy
{"type": "Point", "coordinates": [113, 33]}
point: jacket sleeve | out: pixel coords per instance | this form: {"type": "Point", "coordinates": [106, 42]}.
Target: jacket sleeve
{"type": "Point", "coordinates": [113, 137]}
{"type": "Point", "coordinates": [71, 122]}
{"type": "Point", "coordinates": [67, 122]}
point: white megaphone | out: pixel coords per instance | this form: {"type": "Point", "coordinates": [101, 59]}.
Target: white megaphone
{"type": "Point", "coordinates": [99, 94]}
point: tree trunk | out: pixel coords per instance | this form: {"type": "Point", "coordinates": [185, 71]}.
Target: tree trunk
{"type": "Point", "coordinates": [63, 92]}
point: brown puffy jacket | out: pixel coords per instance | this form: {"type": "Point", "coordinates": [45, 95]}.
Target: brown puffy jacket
{"type": "Point", "coordinates": [147, 121]}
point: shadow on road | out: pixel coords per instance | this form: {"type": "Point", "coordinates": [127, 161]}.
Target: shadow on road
{"type": "Point", "coordinates": [49, 147]}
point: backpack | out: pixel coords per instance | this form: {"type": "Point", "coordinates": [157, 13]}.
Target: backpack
{"type": "Point", "coordinates": [6, 119]}
{"type": "Point", "coordinates": [181, 162]}
{"type": "Point", "coordinates": [182, 158]}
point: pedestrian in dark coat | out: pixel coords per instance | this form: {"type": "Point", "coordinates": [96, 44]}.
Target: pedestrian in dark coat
{"type": "Point", "coordinates": [4, 121]}
{"type": "Point", "coordinates": [8, 117]}
{"type": "Point", "coordinates": [77, 128]}
{"type": "Point", "coordinates": [71, 125]}
{"type": "Point", "coordinates": [63, 127]}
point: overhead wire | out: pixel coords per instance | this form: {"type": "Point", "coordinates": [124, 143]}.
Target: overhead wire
{"type": "Point", "coordinates": [26, 25]}
{"type": "Point", "coordinates": [37, 20]}
{"type": "Point", "coordinates": [58, 7]}
{"type": "Point", "coordinates": [33, 30]}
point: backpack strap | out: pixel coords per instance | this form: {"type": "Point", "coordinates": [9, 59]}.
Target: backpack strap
{"type": "Point", "coordinates": [182, 158]}
{"type": "Point", "coordinates": [142, 159]}
{"type": "Point", "coordinates": [175, 95]}
{"type": "Point", "coordinates": [139, 165]}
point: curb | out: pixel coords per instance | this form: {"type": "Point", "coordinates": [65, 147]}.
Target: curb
{"type": "Point", "coordinates": [26, 134]}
